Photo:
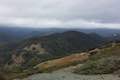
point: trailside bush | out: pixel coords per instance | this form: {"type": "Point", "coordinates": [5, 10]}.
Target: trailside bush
{"type": "Point", "coordinates": [101, 66]}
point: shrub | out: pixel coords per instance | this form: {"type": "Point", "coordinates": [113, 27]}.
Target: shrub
{"type": "Point", "coordinates": [101, 66]}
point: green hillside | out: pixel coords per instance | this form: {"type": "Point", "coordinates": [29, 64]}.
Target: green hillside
{"type": "Point", "coordinates": [106, 61]}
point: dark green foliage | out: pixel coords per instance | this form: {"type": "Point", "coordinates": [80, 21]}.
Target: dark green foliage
{"type": "Point", "coordinates": [68, 42]}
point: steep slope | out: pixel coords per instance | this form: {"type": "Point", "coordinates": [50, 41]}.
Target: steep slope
{"type": "Point", "coordinates": [105, 61]}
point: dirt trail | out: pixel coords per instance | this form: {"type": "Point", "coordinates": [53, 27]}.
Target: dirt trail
{"type": "Point", "coordinates": [66, 74]}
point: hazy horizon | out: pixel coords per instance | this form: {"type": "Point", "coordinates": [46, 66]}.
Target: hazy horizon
{"type": "Point", "coordinates": [40, 27]}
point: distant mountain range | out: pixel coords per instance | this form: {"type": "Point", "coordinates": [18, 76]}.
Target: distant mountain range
{"type": "Point", "coordinates": [55, 40]}
{"type": "Point", "coordinates": [66, 42]}
{"type": "Point", "coordinates": [12, 34]}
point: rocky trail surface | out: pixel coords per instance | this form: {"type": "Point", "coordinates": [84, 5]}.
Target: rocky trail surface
{"type": "Point", "coordinates": [66, 74]}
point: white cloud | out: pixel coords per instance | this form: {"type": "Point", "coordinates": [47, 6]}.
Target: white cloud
{"type": "Point", "coordinates": [47, 23]}
{"type": "Point", "coordinates": [61, 13]}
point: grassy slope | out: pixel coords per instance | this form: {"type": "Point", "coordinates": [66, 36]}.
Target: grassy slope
{"type": "Point", "coordinates": [50, 65]}
{"type": "Point", "coordinates": [105, 62]}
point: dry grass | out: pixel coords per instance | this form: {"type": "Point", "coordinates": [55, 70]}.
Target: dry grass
{"type": "Point", "coordinates": [62, 62]}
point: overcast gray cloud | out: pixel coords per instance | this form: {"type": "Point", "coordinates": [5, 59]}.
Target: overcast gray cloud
{"type": "Point", "coordinates": [61, 13]}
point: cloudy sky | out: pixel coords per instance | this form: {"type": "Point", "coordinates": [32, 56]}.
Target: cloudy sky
{"type": "Point", "coordinates": [61, 13]}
